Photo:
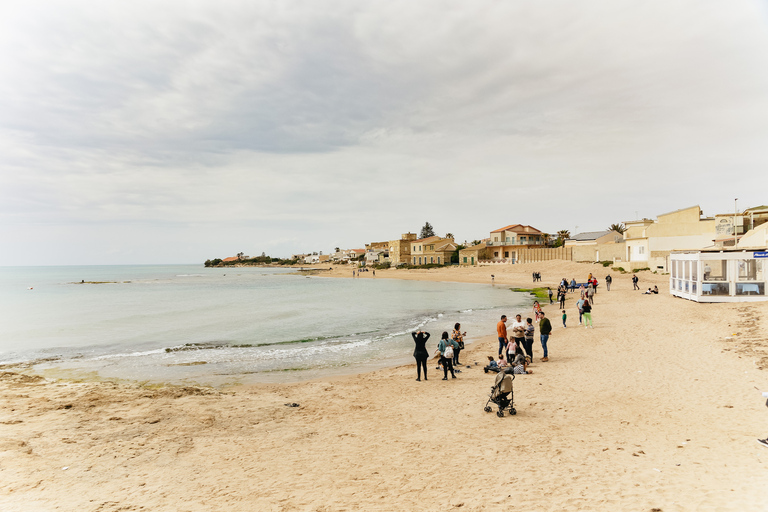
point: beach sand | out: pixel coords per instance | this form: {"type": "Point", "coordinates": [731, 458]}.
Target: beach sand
{"type": "Point", "coordinates": [656, 408]}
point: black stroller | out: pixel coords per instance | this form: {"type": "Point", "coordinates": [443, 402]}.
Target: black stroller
{"type": "Point", "coordinates": [502, 394]}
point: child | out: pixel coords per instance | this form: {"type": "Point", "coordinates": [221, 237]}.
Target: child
{"type": "Point", "coordinates": [564, 317]}
{"type": "Point", "coordinates": [520, 366]}
{"type": "Point", "coordinates": [502, 363]}
{"type": "Point", "coordinates": [491, 366]}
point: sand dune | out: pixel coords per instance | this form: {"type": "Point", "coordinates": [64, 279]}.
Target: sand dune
{"type": "Point", "coordinates": [657, 407]}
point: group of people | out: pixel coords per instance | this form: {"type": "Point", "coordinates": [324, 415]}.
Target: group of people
{"type": "Point", "coordinates": [448, 349]}
{"type": "Point", "coordinates": [520, 342]}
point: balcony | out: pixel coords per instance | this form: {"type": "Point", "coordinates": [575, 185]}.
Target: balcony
{"type": "Point", "coordinates": [514, 242]}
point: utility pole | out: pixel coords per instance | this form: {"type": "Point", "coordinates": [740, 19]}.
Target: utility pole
{"type": "Point", "coordinates": [735, 213]}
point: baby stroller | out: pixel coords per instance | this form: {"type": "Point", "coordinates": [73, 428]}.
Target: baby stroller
{"type": "Point", "coordinates": [502, 394]}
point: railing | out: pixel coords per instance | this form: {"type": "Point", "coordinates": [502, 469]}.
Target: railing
{"type": "Point", "coordinates": [512, 242]}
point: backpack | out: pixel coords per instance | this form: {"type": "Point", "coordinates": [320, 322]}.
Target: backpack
{"type": "Point", "coordinates": [448, 354]}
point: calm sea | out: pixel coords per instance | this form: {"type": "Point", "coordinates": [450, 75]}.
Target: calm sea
{"type": "Point", "coordinates": [185, 324]}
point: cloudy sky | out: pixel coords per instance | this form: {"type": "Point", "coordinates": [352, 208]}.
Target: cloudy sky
{"type": "Point", "coordinates": [173, 132]}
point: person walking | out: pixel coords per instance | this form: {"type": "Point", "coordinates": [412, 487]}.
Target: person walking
{"type": "Point", "coordinates": [420, 352]}
{"type": "Point", "coordinates": [587, 313]}
{"type": "Point", "coordinates": [573, 284]}
{"type": "Point", "coordinates": [550, 293]}
{"type": "Point", "coordinates": [561, 296]}
{"type": "Point", "coordinates": [579, 305]}
{"type": "Point", "coordinates": [545, 329]}
{"type": "Point", "coordinates": [501, 332]}
{"type": "Point", "coordinates": [447, 348]}
{"type": "Point", "coordinates": [608, 280]}
{"type": "Point", "coordinates": [591, 294]}
{"type": "Point", "coordinates": [458, 337]}
{"type": "Point", "coordinates": [634, 282]}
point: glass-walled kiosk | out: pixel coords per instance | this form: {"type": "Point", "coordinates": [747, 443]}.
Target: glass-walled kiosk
{"type": "Point", "coordinates": [719, 276]}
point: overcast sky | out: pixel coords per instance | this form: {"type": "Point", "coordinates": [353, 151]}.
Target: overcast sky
{"type": "Point", "coordinates": [173, 132]}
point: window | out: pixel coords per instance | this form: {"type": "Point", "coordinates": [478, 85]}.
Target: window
{"type": "Point", "coordinates": [496, 254]}
{"type": "Point", "coordinates": [465, 259]}
{"type": "Point", "coordinates": [419, 260]}
{"type": "Point", "coordinates": [507, 239]}
{"type": "Point", "coordinates": [431, 259]}
{"type": "Point", "coordinates": [715, 271]}
{"type": "Point", "coordinates": [506, 254]}
{"type": "Point", "coordinates": [438, 260]}
{"type": "Point", "coordinates": [641, 249]}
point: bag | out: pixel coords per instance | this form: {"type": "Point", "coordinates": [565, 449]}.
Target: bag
{"type": "Point", "coordinates": [461, 345]}
{"type": "Point", "coordinates": [448, 354]}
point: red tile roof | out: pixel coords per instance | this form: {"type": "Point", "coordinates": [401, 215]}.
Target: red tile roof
{"type": "Point", "coordinates": [517, 228]}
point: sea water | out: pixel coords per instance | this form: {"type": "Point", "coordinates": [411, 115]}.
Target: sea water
{"type": "Point", "coordinates": [186, 324]}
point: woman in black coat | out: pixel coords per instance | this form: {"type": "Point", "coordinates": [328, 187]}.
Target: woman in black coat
{"type": "Point", "coordinates": [420, 353]}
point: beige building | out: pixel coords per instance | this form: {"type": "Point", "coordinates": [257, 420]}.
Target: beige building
{"type": "Point", "coordinates": [650, 242]}
{"type": "Point", "coordinates": [432, 250]}
{"type": "Point", "coordinates": [400, 250]}
{"type": "Point", "coordinates": [505, 242]}
{"type": "Point", "coordinates": [472, 255]}
{"type": "Point", "coordinates": [606, 245]}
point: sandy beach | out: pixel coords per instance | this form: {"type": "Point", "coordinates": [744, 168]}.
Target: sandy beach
{"type": "Point", "coordinates": [656, 408]}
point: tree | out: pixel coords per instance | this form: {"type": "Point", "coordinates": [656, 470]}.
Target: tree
{"type": "Point", "coordinates": [336, 250]}
{"type": "Point", "coordinates": [449, 235]}
{"type": "Point", "coordinates": [427, 231]}
{"type": "Point", "coordinates": [620, 227]}
{"type": "Point", "coordinates": [563, 234]}
{"type": "Point", "coordinates": [240, 255]}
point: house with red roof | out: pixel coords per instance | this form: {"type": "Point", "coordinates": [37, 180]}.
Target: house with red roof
{"type": "Point", "coordinates": [504, 243]}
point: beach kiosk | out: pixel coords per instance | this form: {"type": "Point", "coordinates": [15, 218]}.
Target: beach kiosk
{"type": "Point", "coordinates": [719, 275]}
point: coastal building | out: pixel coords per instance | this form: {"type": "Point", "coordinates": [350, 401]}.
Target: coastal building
{"type": "Point", "coordinates": [649, 243]}
{"type": "Point", "coordinates": [472, 255]}
{"type": "Point", "coordinates": [432, 250]}
{"type": "Point", "coordinates": [719, 275]}
{"type": "Point", "coordinates": [606, 245]}
{"type": "Point", "coordinates": [504, 243]}
{"type": "Point", "coordinates": [376, 252]}
{"type": "Point", "coordinates": [400, 250]}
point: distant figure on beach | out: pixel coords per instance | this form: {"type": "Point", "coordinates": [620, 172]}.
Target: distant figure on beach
{"type": "Point", "coordinates": [501, 332]}
{"type": "Point", "coordinates": [564, 317]}
{"type": "Point", "coordinates": [591, 293]}
{"type": "Point", "coordinates": [581, 290]}
{"type": "Point", "coordinates": [545, 328]}
{"type": "Point", "coordinates": [634, 282]}
{"type": "Point", "coordinates": [536, 310]}
{"type": "Point", "coordinates": [458, 337]}
{"type": "Point", "coordinates": [561, 297]}
{"type": "Point", "coordinates": [579, 305]}
{"type": "Point", "coordinates": [656, 289]}
{"type": "Point", "coordinates": [420, 352]}
{"type": "Point", "coordinates": [573, 284]}
{"type": "Point", "coordinates": [586, 309]}
{"type": "Point", "coordinates": [550, 293]}
{"type": "Point", "coordinates": [492, 278]}
{"type": "Point", "coordinates": [353, 273]}
{"type": "Point", "coordinates": [374, 272]}
{"type": "Point", "coordinates": [608, 280]}
{"type": "Point", "coordinates": [502, 362]}
{"type": "Point", "coordinates": [447, 348]}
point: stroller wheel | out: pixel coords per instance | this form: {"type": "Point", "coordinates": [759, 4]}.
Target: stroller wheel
{"type": "Point", "coordinates": [513, 411]}
{"type": "Point", "coordinates": [487, 408]}
{"type": "Point", "coordinates": [485, 370]}
{"type": "Point", "coordinates": [500, 414]}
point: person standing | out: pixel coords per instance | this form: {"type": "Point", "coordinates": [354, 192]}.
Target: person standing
{"type": "Point", "coordinates": [420, 353]}
{"type": "Point", "coordinates": [579, 305]}
{"type": "Point", "coordinates": [501, 332]}
{"type": "Point", "coordinates": [518, 331]}
{"type": "Point", "coordinates": [458, 337]}
{"type": "Point", "coordinates": [587, 313]}
{"type": "Point", "coordinates": [591, 294]}
{"type": "Point", "coordinates": [528, 343]}
{"type": "Point", "coordinates": [634, 282]}
{"type": "Point", "coordinates": [562, 297]}
{"type": "Point", "coordinates": [564, 318]}
{"type": "Point", "coordinates": [447, 348]}
{"type": "Point", "coordinates": [608, 280]}
{"type": "Point", "coordinates": [573, 284]}
{"type": "Point", "coordinates": [545, 328]}
{"type": "Point", "coordinates": [550, 293]}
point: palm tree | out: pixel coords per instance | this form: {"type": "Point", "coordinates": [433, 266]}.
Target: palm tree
{"type": "Point", "coordinates": [449, 235]}
{"type": "Point", "coordinates": [621, 228]}
{"type": "Point", "coordinates": [563, 234]}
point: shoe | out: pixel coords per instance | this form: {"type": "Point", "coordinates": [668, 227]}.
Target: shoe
{"type": "Point", "coordinates": [763, 442]}
{"type": "Point", "coordinates": [544, 359]}
{"type": "Point", "coordinates": [445, 378]}
{"type": "Point", "coordinates": [453, 376]}
{"type": "Point", "coordinates": [418, 380]}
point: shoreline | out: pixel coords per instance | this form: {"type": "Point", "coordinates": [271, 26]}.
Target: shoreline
{"type": "Point", "coordinates": [657, 407]}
